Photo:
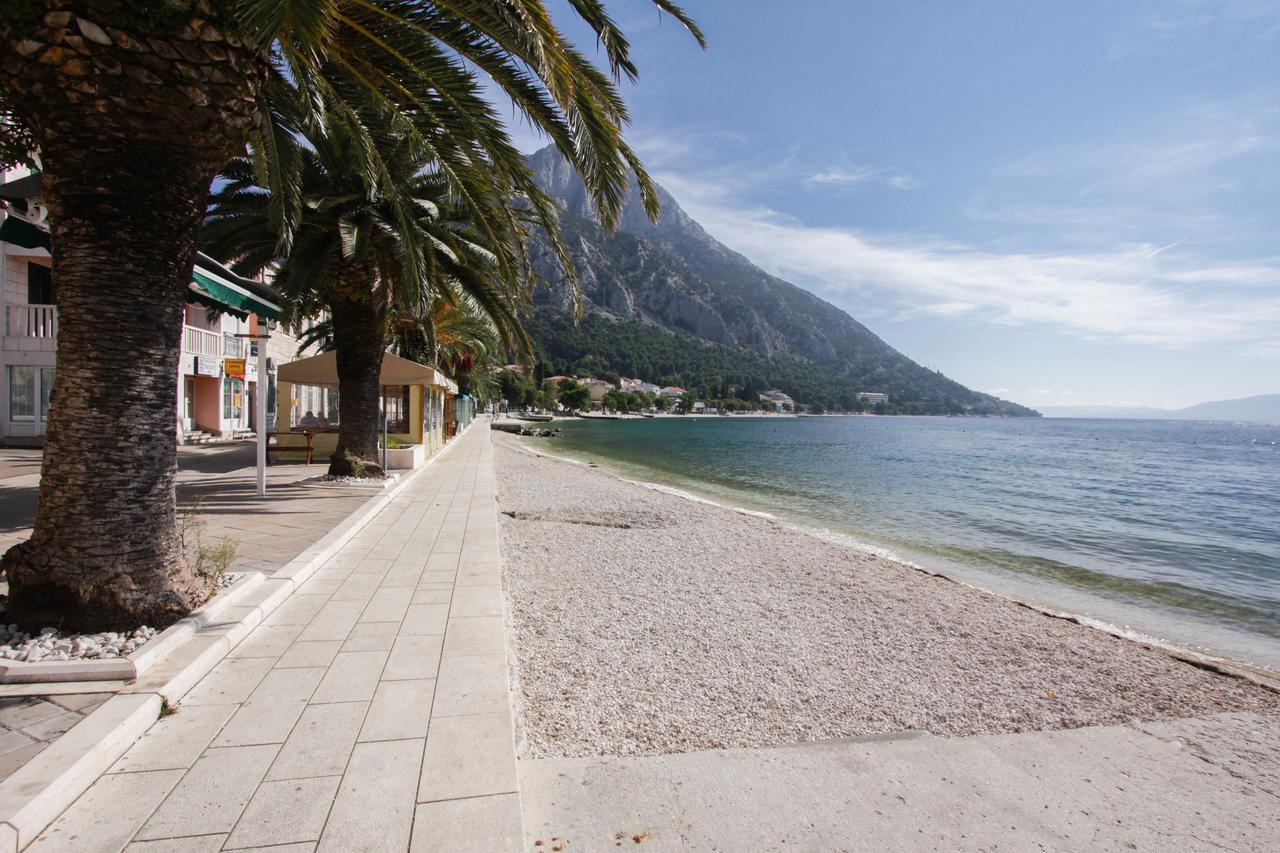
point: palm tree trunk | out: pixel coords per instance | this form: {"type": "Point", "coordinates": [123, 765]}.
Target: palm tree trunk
{"type": "Point", "coordinates": [359, 337]}
{"type": "Point", "coordinates": [131, 129]}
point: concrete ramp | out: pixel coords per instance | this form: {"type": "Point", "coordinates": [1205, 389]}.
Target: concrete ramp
{"type": "Point", "coordinates": [1202, 783]}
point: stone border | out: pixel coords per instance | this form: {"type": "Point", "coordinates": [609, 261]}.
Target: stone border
{"type": "Point", "coordinates": [39, 791]}
{"type": "Point", "coordinates": [133, 665]}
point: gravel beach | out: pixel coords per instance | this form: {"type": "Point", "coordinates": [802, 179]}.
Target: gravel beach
{"type": "Point", "coordinates": [645, 623]}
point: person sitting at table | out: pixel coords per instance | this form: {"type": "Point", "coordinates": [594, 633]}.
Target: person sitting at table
{"type": "Point", "coordinates": [309, 421]}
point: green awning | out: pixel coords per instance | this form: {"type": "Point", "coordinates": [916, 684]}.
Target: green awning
{"type": "Point", "coordinates": [212, 284]}
{"type": "Point", "coordinates": [19, 232]}
{"type": "Point", "coordinates": [211, 288]}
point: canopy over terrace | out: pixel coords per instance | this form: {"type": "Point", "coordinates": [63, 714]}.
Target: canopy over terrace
{"type": "Point", "coordinates": [428, 389]}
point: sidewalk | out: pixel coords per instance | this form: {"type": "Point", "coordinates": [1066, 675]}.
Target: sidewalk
{"type": "Point", "coordinates": [369, 711]}
{"type": "Point", "coordinates": [219, 484]}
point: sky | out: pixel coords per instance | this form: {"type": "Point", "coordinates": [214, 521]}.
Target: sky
{"type": "Point", "coordinates": [1058, 203]}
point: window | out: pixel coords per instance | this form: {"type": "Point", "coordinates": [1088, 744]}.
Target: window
{"type": "Point", "coordinates": [395, 408]}
{"type": "Point", "coordinates": [39, 284]}
{"type": "Point", "coordinates": [22, 393]}
{"type": "Point", "coordinates": [46, 388]}
{"type": "Point", "coordinates": [232, 399]}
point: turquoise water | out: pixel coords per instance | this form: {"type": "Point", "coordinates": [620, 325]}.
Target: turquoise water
{"type": "Point", "coordinates": [1170, 529]}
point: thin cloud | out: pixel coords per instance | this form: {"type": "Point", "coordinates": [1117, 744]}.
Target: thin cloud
{"type": "Point", "coordinates": [843, 176]}
{"type": "Point", "coordinates": [1136, 293]}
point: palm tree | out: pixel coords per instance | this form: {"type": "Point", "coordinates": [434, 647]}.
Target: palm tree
{"type": "Point", "coordinates": [370, 250]}
{"type": "Point", "coordinates": [132, 107]}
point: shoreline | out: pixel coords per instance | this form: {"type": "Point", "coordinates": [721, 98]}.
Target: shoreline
{"type": "Point", "coordinates": [993, 664]}
{"type": "Point", "coordinates": [1172, 637]}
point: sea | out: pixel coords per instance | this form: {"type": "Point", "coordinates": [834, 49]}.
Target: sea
{"type": "Point", "coordinates": [1165, 531]}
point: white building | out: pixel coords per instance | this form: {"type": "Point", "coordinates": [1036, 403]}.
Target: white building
{"type": "Point", "coordinates": [217, 371]}
{"type": "Point", "coordinates": [873, 397]}
{"type": "Point", "coordinates": [781, 402]}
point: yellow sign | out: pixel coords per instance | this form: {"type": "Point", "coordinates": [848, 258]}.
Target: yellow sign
{"type": "Point", "coordinates": [233, 367]}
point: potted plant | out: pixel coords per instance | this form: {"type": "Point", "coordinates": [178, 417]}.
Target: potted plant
{"type": "Point", "coordinates": [401, 455]}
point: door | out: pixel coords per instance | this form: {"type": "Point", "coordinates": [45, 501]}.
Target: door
{"type": "Point", "coordinates": [188, 403]}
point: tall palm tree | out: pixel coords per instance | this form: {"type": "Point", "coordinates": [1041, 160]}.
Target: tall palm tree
{"type": "Point", "coordinates": [368, 249]}
{"type": "Point", "coordinates": [133, 105]}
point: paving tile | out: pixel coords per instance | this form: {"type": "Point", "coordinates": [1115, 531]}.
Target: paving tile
{"type": "Point", "coordinates": [399, 710]}
{"type": "Point", "coordinates": [285, 813]}
{"type": "Point", "coordinates": [12, 761]}
{"type": "Point", "coordinates": [477, 825]}
{"type": "Point", "coordinates": [320, 586]}
{"type": "Point", "coordinates": [298, 610]}
{"type": "Point", "coordinates": [424, 619]}
{"type": "Point", "coordinates": [402, 577]}
{"type": "Point", "coordinates": [374, 808]}
{"type": "Point", "coordinates": [271, 711]}
{"type": "Point", "coordinates": [475, 635]}
{"type": "Point", "coordinates": [318, 653]}
{"type": "Point", "coordinates": [469, 756]}
{"type": "Point", "coordinates": [387, 605]}
{"type": "Point", "coordinates": [267, 641]}
{"type": "Point", "coordinates": [438, 576]}
{"type": "Point", "coordinates": [476, 601]}
{"type": "Point", "coordinates": [474, 684]}
{"type": "Point", "coordinates": [333, 622]}
{"type": "Point", "coordinates": [50, 727]}
{"type": "Point", "coordinates": [108, 814]}
{"type": "Point", "coordinates": [435, 594]}
{"type": "Point", "coordinates": [320, 743]}
{"type": "Point", "coordinates": [175, 741]}
{"type": "Point", "coordinates": [13, 741]}
{"type": "Point", "coordinates": [371, 637]}
{"type": "Point", "coordinates": [210, 798]}
{"type": "Point", "coordinates": [352, 677]}
{"type": "Point", "coordinates": [230, 682]}
{"type": "Point", "coordinates": [187, 844]}
{"type": "Point", "coordinates": [84, 703]}
{"type": "Point", "coordinates": [480, 574]}
{"type": "Point", "coordinates": [413, 657]}
{"type": "Point", "coordinates": [18, 713]}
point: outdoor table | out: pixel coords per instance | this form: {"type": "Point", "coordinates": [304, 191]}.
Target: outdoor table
{"type": "Point", "coordinates": [279, 448]}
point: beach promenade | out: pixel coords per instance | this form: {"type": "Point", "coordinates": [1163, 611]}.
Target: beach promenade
{"type": "Point", "coordinates": [369, 711]}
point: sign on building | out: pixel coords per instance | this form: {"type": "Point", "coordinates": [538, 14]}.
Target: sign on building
{"type": "Point", "coordinates": [233, 367]}
{"type": "Point", "coordinates": [206, 366]}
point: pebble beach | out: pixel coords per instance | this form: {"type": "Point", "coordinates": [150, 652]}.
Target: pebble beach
{"type": "Point", "coordinates": [643, 623]}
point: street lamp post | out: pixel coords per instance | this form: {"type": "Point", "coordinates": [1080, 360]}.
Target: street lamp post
{"type": "Point", "coordinates": [260, 396]}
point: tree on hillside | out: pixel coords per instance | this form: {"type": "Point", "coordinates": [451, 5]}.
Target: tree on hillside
{"type": "Point", "coordinates": [132, 106]}
{"type": "Point", "coordinates": [687, 399]}
{"type": "Point", "coordinates": [574, 396]}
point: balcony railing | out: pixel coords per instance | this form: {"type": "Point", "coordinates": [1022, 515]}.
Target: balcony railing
{"type": "Point", "coordinates": [201, 342]}
{"type": "Point", "coordinates": [232, 347]}
{"type": "Point", "coordinates": [31, 321]}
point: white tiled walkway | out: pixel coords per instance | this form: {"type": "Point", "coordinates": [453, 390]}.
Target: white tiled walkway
{"type": "Point", "coordinates": [368, 712]}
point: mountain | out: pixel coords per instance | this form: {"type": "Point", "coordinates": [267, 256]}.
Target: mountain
{"type": "Point", "coordinates": [1264, 408]}
{"type": "Point", "coordinates": [671, 286]}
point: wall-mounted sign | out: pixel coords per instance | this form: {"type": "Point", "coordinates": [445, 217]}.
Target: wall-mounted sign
{"type": "Point", "coordinates": [206, 366]}
{"type": "Point", "coordinates": [233, 367]}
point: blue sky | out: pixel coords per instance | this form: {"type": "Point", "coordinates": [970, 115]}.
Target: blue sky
{"type": "Point", "coordinates": [1062, 203]}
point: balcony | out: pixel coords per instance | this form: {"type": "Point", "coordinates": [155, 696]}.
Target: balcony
{"type": "Point", "coordinates": [31, 321]}
{"type": "Point", "coordinates": [201, 342]}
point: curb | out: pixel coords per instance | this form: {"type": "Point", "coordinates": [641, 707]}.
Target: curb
{"type": "Point", "coordinates": [39, 791]}
{"type": "Point", "coordinates": [131, 666]}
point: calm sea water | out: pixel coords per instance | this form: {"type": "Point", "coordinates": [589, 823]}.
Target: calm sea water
{"type": "Point", "coordinates": [1168, 529]}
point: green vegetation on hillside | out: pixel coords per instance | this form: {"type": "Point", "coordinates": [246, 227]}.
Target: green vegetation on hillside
{"type": "Point", "coordinates": [600, 345]}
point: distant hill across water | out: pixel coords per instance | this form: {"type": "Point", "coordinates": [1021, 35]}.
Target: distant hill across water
{"type": "Point", "coordinates": [670, 304]}
{"type": "Point", "coordinates": [1264, 408]}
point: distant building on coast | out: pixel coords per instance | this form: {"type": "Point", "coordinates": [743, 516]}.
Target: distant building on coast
{"type": "Point", "coordinates": [781, 402]}
{"type": "Point", "coordinates": [639, 385]}
{"type": "Point", "coordinates": [873, 397]}
{"type": "Point", "coordinates": [598, 388]}
{"type": "Point", "coordinates": [672, 392]}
